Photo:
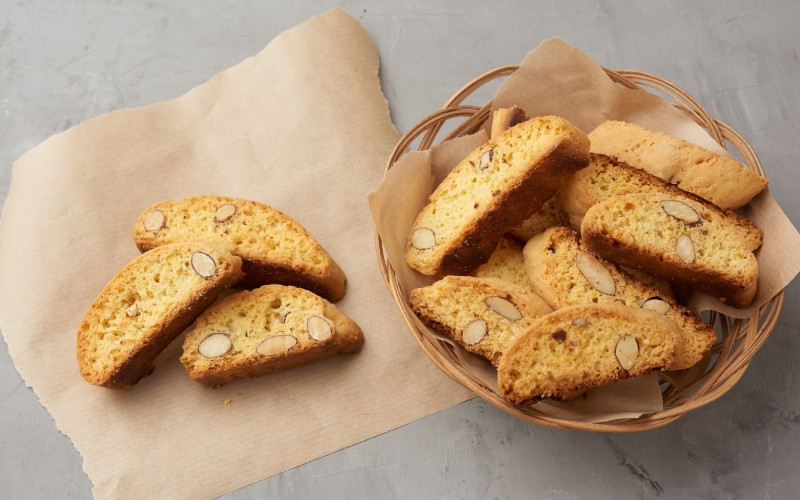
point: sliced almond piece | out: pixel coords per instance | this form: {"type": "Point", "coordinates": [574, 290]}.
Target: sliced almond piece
{"type": "Point", "coordinates": [319, 328]}
{"type": "Point", "coordinates": [474, 332]}
{"type": "Point", "coordinates": [423, 238]}
{"type": "Point", "coordinates": [656, 304]}
{"type": "Point", "coordinates": [627, 351]}
{"type": "Point", "coordinates": [684, 248]}
{"type": "Point", "coordinates": [598, 276]}
{"type": "Point", "coordinates": [503, 307]}
{"type": "Point", "coordinates": [278, 344]}
{"type": "Point", "coordinates": [154, 221]}
{"type": "Point", "coordinates": [203, 264]}
{"type": "Point", "coordinates": [486, 159]}
{"type": "Point", "coordinates": [225, 212]}
{"type": "Point", "coordinates": [215, 345]}
{"type": "Point", "coordinates": [132, 311]}
{"type": "Point", "coordinates": [580, 322]}
{"type": "Point", "coordinates": [680, 211]}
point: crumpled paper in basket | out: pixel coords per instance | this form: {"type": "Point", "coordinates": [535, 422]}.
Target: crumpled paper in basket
{"type": "Point", "coordinates": [302, 126]}
{"type": "Point", "coordinates": [558, 79]}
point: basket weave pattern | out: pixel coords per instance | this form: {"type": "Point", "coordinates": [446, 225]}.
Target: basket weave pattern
{"type": "Point", "coordinates": [738, 340]}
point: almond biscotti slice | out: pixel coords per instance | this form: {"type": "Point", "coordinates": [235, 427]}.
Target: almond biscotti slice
{"type": "Point", "coordinates": [146, 305]}
{"type": "Point", "coordinates": [604, 178]}
{"type": "Point", "coordinates": [550, 214]}
{"type": "Point", "coordinates": [506, 263]}
{"type": "Point", "coordinates": [720, 180]}
{"type": "Point", "coordinates": [494, 188]}
{"type": "Point", "coordinates": [266, 330]}
{"type": "Point", "coordinates": [274, 247]}
{"type": "Point", "coordinates": [565, 273]}
{"type": "Point", "coordinates": [585, 346]}
{"type": "Point", "coordinates": [676, 238]}
{"type": "Point", "coordinates": [483, 315]}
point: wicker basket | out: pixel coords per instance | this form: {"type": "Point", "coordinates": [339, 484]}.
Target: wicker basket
{"type": "Point", "coordinates": [738, 339]}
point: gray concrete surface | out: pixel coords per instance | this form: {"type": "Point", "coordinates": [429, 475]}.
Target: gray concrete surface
{"type": "Point", "coordinates": [64, 62]}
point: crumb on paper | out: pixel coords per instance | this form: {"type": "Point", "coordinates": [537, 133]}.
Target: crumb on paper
{"type": "Point", "coordinates": [227, 401]}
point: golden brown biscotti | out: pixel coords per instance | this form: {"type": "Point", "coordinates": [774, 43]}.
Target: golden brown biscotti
{"type": "Point", "coordinates": [274, 247]}
{"type": "Point", "coordinates": [565, 273]}
{"type": "Point", "coordinates": [483, 315]}
{"type": "Point", "coordinates": [506, 263]}
{"type": "Point", "coordinates": [146, 305]}
{"type": "Point", "coordinates": [495, 187]}
{"type": "Point", "coordinates": [585, 346]}
{"type": "Point", "coordinates": [551, 214]}
{"type": "Point", "coordinates": [266, 330]}
{"type": "Point", "coordinates": [604, 178]}
{"type": "Point", "coordinates": [505, 118]}
{"type": "Point", "coordinates": [718, 179]}
{"type": "Point", "coordinates": [676, 238]}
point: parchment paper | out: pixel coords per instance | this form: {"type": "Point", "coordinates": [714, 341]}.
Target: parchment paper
{"type": "Point", "coordinates": [559, 79]}
{"type": "Point", "coordinates": [302, 126]}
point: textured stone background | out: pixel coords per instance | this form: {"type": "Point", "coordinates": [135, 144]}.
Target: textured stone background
{"type": "Point", "coordinates": [64, 62]}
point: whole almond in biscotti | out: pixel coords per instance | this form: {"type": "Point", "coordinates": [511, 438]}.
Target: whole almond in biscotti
{"type": "Point", "coordinates": [146, 305]}
{"type": "Point", "coordinates": [494, 188]}
{"type": "Point", "coordinates": [718, 179]}
{"type": "Point", "coordinates": [551, 259]}
{"type": "Point", "coordinates": [274, 247]}
{"type": "Point", "coordinates": [679, 238]}
{"type": "Point", "coordinates": [271, 328]}
{"type": "Point", "coordinates": [584, 346]}
{"type": "Point", "coordinates": [483, 315]}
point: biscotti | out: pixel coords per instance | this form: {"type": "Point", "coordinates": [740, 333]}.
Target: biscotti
{"type": "Point", "coordinates": [506, 263]}
{"type": "Point", "coordinates": [274, 247]}
{"type": "Point", "coordinates": [719, 179]}
{"type": "Point", "coordinates": [483, 315]}
{"type": "Point", "coordinates": [265, 330]}
{"type": "Point", "coordinates": [505, 118]}
{"type": "Point", "coordinates": [494, 188]}
{"type": "Point", "coordinates": [585, 346]}
{"type": "Point", "coordinates": [564, 273]}
{"type": "Point", "coordinates": [550, 214]}
{"type": "Point", "coordinates": [146, 305]}
{"type": "Point", "coordinates": [604, 178]}
{"type": "Point", "coordinates": [676, 238]}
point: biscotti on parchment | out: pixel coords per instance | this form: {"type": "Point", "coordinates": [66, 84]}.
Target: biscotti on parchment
{"type": "Point", "coordinates": [266, 330]}
{"type": "Point", "coordinates": [506, 263]}
{"type": "Point", "coordinates": [483, 315]}
{"type": "Point", "coordinates": [550, 213]}
{"type": "Point", "coordinates": [718, 179]}
{"type": "Point", "coordinates": [564, 272]}
{"type": "Point", "coordinates": [604, 178]}
{"type": "Point", "coordinates": [584, 346]}
{"type": "Point", "coordinates": [274, 247]}
{"type": "Point", "coordinates": [494, 188]}
{"type": "Point", "coordinates": [146, 306]}
{"type": "Point", "coordinates": [680, 238]}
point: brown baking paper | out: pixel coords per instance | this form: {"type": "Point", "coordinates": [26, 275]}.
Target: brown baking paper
{"type": "Point", "coordinates": [302, 126]}
{"type": "Point", "coordinates": [558, 79]}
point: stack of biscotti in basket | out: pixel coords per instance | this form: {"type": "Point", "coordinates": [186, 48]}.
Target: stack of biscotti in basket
{"type": "Point", "coordinates": [606, 230]}
{"type": "Point", "coordinates": [194, 249]}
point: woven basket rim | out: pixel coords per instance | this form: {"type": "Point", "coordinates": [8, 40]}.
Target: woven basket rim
{"type": "Point", "coordinates": [729, 357]}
